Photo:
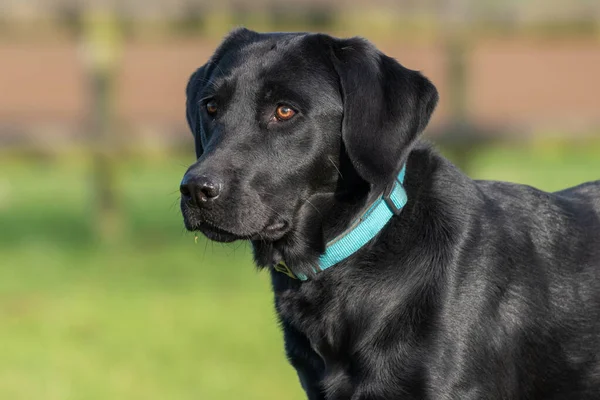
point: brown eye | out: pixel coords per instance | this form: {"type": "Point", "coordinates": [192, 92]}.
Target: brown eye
{"type": "Point", "coordinates": [283, 113]}
{"type": "Point", "coordinates": [211, 107]}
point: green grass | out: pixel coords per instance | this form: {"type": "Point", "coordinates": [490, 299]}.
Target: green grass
{"type": "Point", "coordinates": [151, 315]}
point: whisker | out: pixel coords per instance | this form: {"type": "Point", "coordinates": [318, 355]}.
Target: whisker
{"type": "Point", "coordinates": [313, 206]}
{"type": "Point", "coordinates": [336, 167]}
{"type": "Point", "coordinates": [279, 197]}
{"type": "Point", "coordinates": [174, 204]}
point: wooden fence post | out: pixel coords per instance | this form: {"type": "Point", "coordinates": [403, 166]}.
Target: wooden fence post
{"type": "Point", "coordinates": [101, 42]}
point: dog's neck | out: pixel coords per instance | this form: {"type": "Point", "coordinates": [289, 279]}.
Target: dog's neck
{"type": "Point", "coordinates": [348, 220]}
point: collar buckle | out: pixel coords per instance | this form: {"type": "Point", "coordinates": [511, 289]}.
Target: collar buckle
{"type": "Point", "coordinates": [387, 197]}
{"type": "Point", "coordinates": [284, 269]}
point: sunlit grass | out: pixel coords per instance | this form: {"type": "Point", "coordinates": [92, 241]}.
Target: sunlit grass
{"type": "Point", "coordinates": [152, 315]}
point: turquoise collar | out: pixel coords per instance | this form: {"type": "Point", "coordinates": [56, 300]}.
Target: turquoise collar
{"type": "Point", "coordinates": [362, 230]}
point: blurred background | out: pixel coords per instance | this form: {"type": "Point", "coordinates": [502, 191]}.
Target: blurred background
{"type": "Point", "coordinates": [103, 295]}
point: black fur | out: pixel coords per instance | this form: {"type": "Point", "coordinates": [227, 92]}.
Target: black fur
{"type": "Point", "coordinates": [478, 290]}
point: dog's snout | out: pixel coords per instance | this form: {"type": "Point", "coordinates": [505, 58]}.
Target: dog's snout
{"type": "Point", "coordinates": [200, 190]}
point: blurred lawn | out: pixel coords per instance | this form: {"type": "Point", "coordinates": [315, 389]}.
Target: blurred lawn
{"type": "Point", "coordinates": [154, 316]}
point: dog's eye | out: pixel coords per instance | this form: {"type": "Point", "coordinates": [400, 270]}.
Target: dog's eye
{"type": "Point", "coordinates": [283, 113]}
{"type": "Point", "coordinates": [211, 107]}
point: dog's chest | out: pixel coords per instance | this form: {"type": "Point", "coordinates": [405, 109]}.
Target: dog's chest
{"type": "Point", "coordinates": [342, 331]}
{"type": "Point", "coordinates": [317, 340]}
{"type": "Point", "coordinates": [318, 315]}
{"type": "Point", "coordinates": [310, 312]}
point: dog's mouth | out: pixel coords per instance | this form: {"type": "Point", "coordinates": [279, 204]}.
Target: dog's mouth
{"type": "Point", "coordinates": [271, 232]}
{"type": "Point", "coordinates": [275, 228]}
{"type": "Point", "coordinates": [217, 234]}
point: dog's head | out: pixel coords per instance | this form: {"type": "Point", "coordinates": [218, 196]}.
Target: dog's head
{"type": "Point", "coordinates": [284, 120]}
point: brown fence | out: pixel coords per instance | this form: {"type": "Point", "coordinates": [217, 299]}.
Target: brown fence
{"type": "Point", "coordinates": [510, 83]}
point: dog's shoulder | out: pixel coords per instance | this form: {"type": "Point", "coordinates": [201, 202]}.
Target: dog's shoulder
{"type": "Point", "coordinates": [588, 193]}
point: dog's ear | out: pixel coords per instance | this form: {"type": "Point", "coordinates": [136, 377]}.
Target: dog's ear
{"type": "Point", "coordinates": [192, 111]}
{"type": "Point", "coordinates": [386, 106]}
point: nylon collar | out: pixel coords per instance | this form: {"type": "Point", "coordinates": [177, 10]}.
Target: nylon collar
{"type": "Point", "coordinates": [362, 230]}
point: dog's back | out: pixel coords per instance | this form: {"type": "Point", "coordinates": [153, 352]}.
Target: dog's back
{"type": "Point", "coordinates": [537, 315]}
{"type": "Point", "coordinates": [588, 193]}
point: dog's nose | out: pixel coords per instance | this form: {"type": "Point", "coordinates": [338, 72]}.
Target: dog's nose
{"type": "Point", "coordinates": [200, 189]}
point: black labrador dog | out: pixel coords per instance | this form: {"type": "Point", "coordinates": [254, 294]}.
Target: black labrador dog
{"type": "Point", "coordinates": [445, 287]}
